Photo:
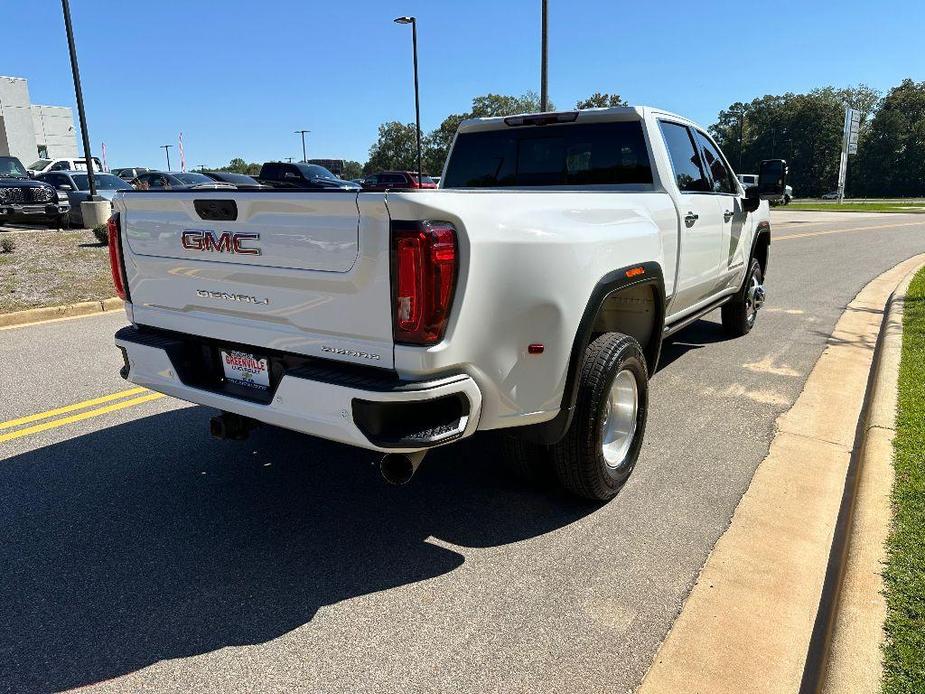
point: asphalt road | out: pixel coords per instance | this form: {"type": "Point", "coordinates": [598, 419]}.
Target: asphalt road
{"type": "Point", "coordinates": [140, 555]}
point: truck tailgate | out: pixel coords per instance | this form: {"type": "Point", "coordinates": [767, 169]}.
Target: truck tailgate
{"type": "Point", "coordinates": [300, 272]}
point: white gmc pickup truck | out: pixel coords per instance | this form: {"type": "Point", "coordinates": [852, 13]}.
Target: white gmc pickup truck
{"type": "Point", "coordinates": [530, 293]}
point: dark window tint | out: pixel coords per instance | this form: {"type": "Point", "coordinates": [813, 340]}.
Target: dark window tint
{"type": "Point", "coordinates": [576, 154]}
{"type": "Point", "coordinates": [685, 160]}
{"type": "Point", "coordinates": [192, 178]}
{"type": "Point", "coordinates": [314, 171]}
{"type": "Point", "coordinates": [241, 179]}
{"type": "Point", "coordinates": [272, 171]}
{"type": "Point", "coordinates": [723, 181]}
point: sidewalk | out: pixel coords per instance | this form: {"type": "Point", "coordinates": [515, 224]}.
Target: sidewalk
{"type": "Point", "coordinates": [749, 621]}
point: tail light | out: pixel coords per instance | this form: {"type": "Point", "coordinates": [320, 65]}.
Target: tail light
{"type": "Point", "coordinates": [424, 266]}
{"type": "Point", "coordinates": [116, 261]}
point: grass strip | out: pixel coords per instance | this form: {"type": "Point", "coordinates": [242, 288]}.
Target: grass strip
{"type": "Point", "coordinates": [904, 575]}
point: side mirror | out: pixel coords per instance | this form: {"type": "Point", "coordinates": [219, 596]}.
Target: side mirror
{"type": "Point", "coordinates": [772, 179]}
{"type": "Point", "coordinates": [752, 200]}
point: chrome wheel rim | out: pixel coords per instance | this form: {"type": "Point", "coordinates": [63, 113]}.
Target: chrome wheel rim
{"type": "Point", "coordinates": [754, 297]}
{"type": "Point", "coordinates": [619, 428]}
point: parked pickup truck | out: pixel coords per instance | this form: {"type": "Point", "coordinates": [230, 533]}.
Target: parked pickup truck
{"type": "Point", "coordinates": [530, 293]}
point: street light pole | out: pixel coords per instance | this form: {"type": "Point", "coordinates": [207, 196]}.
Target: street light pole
{"type": "Point", "coordinates": [302, 133]}
{"type": "Point", "coordinates": [417, 99]}
{"type": "Point", "coordinates": [544, 60]}
{"type": "Point", "coordinates": [75, 70]}
{"type": "Point", "coordinates": [166, 149]}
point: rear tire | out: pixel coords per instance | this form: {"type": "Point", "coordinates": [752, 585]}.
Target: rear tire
{"type": "Point", "coordinates": [527, 461]}
{"type": "Point", "coordinates": [739, 314]}
{"type": "Point", "coordinates": [599, 451]}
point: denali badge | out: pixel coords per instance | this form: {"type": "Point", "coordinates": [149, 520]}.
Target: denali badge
{"type": "Point", "coordinates": [243, 298]}
{"type": "Point", "coordinates": [226, 242]}
{"type": "Point", "coordinates": [350, 353]}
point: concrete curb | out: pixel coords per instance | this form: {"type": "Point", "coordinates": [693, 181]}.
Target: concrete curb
{"type": "Point", "coordinates": [850, 628]}
{"type": "Point", "coordinates": [750, 620]}
{"type": "Point", "coordinates": [40, 315]}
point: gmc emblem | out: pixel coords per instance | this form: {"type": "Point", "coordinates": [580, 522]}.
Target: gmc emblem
{"type": "Point", "coordinates": [226, 242]}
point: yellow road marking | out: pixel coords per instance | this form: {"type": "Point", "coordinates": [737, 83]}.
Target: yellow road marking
{"type": "Point", "coordinates": [842, 231]}
{"type": "Point", "coordinates": [9, 436]}
{"type": "Point", "coordinates": [71, 408]}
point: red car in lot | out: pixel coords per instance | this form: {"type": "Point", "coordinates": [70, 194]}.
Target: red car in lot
{"type": "Point", "coordinates": [387, 180]}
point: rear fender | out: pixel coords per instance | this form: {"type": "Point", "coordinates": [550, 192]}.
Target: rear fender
{"type": "Point", "coordinates": [614, 283]}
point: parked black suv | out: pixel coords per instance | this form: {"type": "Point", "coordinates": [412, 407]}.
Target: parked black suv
{"type": "Point", "coordinates": [25, 200]}
{"type": "Point", "coordinates": [279, 174]}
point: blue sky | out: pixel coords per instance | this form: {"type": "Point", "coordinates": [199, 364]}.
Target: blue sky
{"type": "Point", "coordinates": [239, 77]}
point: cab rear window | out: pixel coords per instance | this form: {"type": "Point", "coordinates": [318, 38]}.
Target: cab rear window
{"type": "Point", "coordinates": [554, 155]}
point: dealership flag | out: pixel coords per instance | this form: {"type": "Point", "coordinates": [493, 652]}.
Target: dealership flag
{"type": "Point", "coordinates": [105, 165]}
{"type": "Point", "coordinates": [182, 158]}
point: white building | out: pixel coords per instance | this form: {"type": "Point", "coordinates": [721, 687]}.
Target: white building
{"type": "Point", "coordinates": [32, 132]}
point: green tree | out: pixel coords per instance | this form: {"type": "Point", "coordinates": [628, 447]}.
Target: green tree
{"type": "Point", "coordinates": [599, 100]}
{"type": "Point", "coordinates": [352, 169]}
{"type": "Point", "coordinates": [396, 148]}
{"type": "Point", "coordinates": [238, 165]}
{"type": "Point", "coordinates": [891, 153]}
{"type": "Point", "coordinates": [804, 129]}
{"type": "Point", "coordinates": [436, 145]}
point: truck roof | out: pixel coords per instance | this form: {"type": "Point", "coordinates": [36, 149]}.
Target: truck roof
{"type": "Point", "coordinates": [586, 115]}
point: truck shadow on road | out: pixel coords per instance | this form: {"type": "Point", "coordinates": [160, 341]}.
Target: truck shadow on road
{"type": "Point", "coordinates": [696, 336]}
{"type": "Point", "coordinates": [147, 540]}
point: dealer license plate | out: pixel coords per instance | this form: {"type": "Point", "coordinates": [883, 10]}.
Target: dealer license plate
{"type": "Point", "coordinates": [244, 369]}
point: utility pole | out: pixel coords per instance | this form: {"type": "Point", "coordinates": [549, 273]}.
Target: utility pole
{"type": "Point", "coordinates": [75, 71]}
{"type": "Point", "coordinates": [417, 97]}
{"type": "Point", "coordinates": [544, 59]}
{"type": "Point", "coordinates": [302, 133]}
{"type": "Point", "coordinates": [166, 149]}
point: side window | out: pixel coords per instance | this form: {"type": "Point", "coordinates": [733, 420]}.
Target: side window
{"type": "Point", "coordinates": [685, 159]}
{"type": "Point", "coordinates": [61, 166]}
{"type": "Point", "coordinates": [723, 181]}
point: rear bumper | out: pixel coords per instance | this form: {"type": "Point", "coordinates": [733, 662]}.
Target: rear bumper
{"type": "Point", "coordinates": [360, 408]}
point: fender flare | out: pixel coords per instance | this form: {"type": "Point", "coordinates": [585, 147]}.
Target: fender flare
{"type": "Point", "coordinates": [638, 274]}
{"type": "Point", "coordinates": [762, 230]}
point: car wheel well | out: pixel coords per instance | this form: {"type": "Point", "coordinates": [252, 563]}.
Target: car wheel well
{"type": "Point", "coordinates": [633, 311]}
{"type": "Point", "coordinates": [762, 246]}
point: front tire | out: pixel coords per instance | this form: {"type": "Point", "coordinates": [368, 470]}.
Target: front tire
{"type": "Point", "coordinates": [739, 314]}
{"type": "Point", "coordinates": [599, 451]}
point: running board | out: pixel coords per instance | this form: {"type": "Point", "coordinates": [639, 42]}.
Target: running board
{"type": "Point", "coordinates": [687, 320]}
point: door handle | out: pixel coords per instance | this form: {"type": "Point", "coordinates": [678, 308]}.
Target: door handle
{"type": "Point", "coordinates": [690, 219]}
{"type": "Point", "coordinates": [727, 215]}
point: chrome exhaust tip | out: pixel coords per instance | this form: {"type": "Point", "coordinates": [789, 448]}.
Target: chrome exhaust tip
{"type": "Point", "coordinates": [399, 468]}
